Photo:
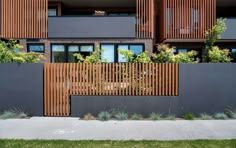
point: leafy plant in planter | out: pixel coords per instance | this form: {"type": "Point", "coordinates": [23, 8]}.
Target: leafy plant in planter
{"type": "Point", "coordinates": [212, 35]}
{"type": "Point", "coordinates": [132, 58]}
{"type": "Point", "coordinates": [166, 54]}
{"type": "Point", "coordinates": [10, 53]}
{"type": "Point", "coordinates": [216, 55]}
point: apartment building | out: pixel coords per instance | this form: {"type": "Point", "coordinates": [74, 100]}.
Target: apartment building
{"type": "Point", "coordinates": [60, 28]}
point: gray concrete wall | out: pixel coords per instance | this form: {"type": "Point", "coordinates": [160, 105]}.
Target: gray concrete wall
{"type": "Point", "coordinates": [203, 88]}
{"type": "Point", "coordinates": [92, 27]}
{"type": "Point", "coordinates": [21, 87]}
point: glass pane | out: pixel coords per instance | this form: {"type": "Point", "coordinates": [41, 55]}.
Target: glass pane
{"type": "Point", "coordinates": [73, 48]}
{"type": "Point", "coordinates": [121, 58]}
{"type": "Point", "coordinates": [86, 48]}
{"type": "Point", "coordinates": [182, 50]}
{"type": "Point", "coordinates": [71, 51]}
{"type": "Point", "coordinates": [108, 53]}
{"type": "Point", "coordinates": [36, 48]}
{"type": "Point", "coordinates": [136, 49]}
{"type": "Point", "coordinates": [58, 54]}
{"type": "Point", "coordinates": [52, 12]}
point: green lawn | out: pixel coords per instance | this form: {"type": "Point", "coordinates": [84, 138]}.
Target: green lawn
{"type": "Point", "coordinates": [117, 144]}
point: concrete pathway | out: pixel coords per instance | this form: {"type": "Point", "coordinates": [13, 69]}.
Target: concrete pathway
{"type": "Point", "coordinates": [74, 129]}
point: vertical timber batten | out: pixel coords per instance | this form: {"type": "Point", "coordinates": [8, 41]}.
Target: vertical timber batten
{"type": "Point", "coordinates": [24, 18]}
{"type": "Point", "coordinates": [186, 19]}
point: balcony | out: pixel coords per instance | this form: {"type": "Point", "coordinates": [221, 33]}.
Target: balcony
{"type": "Point", "coordinates": [230, 33]}
{"type": "Point", "coordinates": [92, 27]}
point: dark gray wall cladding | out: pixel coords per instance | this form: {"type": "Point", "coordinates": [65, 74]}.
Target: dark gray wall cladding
{"type": "Point", "coordinates": [203, 88]}
{"type": "Point", "coordinates": [91, 27]}
{"type": "Point", "coordinates": [230, 32]}
{"type": "Point", "coordinates": [81, 105]}
{"type": "Point", "coordinates": [21, 87]}
{"type": "Point", "coordinates": [207, 87]}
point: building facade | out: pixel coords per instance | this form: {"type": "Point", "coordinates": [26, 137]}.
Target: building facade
{"type": "Point", "coordinates": [60, 28]}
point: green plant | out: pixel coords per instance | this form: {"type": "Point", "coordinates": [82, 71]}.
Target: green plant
{"type": "Point", "coordinates": [213, 34]}
{"type": "Point", "coordinates": [220, 116]}
{"type": "Point", "coordinates": [132, 58]}
{"type": "Point", "coordinates": [170, 117]}
{"type": "Point", "coordinates": [121, 116]}
{"type": "Point", "coordinates": [13, 114]}
{"type": "Point", "coordinates": [231, 114]}
{"type": "Point", "coordinates": [188, 116]}
{"type": "Point", "coordinates": [89, 116]}
{"type": "Point", "coordinates": [10, 53]}
{"type": "Point", "coordinates": [205, 116]}
{"type": "Point", "coordinates": [94, 58]}
{"type": "Point", "coordinates": [188, 57]}
{"type": "Point", "coordinates": [136, 117]}
{"type": "Point", "coordinates": [216, 55]}
{"type": "Point", "coordinates": [104, 116]}
{"type": "Point", "coordinates": [155, 116]}
{"type": "Point", "coordinates": [165, 54]}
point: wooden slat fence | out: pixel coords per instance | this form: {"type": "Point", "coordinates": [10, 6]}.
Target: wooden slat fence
{"type": "Point", "coordinates": [123, 79]}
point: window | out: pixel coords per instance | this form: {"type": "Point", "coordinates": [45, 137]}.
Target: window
{"type": "Point", "coordinates": [233, 54]}
{"type": "Point", "coordinates": [63, 53]}
{"type": "Point", "coordinates": [110, 52]}
{"type": "Point", "coordinates": [35, 48]}
{"type": "Point", "coordinates": [180, 50]}
{"type": "Point", "coordinates": [58, 54]}
{"type": "Point", "coordinates": [52, 12]}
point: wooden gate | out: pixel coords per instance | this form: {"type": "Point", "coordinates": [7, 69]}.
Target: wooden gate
{"type": "Point", "coordinates": [123, 79]}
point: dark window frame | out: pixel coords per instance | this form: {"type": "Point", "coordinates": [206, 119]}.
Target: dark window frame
{"type": "Point", "coordinates": [116, 58]}
{"type": "Point", "coordinates": [34, 44]}
{"type": "Point", "coordinates": [66, 45]}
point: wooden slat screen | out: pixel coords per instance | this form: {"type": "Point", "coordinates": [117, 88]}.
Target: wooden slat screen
{"type": "Point", "coordinates": [186, 19]}
{"type": "Point", "coordinates": [24, 18]}
{"type": "Point", "coordinates": [145, 19]}
{"type": "Point", "coordinates": [126, 79]}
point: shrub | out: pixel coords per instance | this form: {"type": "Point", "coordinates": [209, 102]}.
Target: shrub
{"type": "Point", "coordinates": [104, 116]}
{"type": "Point", "coordinates": [155, 116]}
{"type": "Point", "coordinates": [214, 33]}
{"type": "Point", "coordinates": [216, 55]}
{"type": "Point", "coordinates": [132, 58]}
{"type": "Point", "coordinates": [165, 54]}
{"type": "Point", "coordinates": [13, 114]}
{"type": "Point", "coordinates": [205, 116]}
{"type": "Point", "coordinates": [188, 116]}
{"type": "Point", "coordinates": [136, 117]}
{"type": "Point", "coordinates": [121, 116]}
{"type": "Point", "coordinates": [170, 117]}
{"type": "Point", "coordinates": [188, 57]}
{"type": "Point", "coordinates": [94, 58]}
{"type": "Point", "coordinates": [89, 117]}
{"type": "Point", "coordinates": [231, 114]}
{"type": "Point", "coordinates": [10, 54]}
{"type": "Point", "coordinates": [220, 116]}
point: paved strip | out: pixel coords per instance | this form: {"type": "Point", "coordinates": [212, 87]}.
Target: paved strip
{"type": "Point", "coordinates": [74, 129]}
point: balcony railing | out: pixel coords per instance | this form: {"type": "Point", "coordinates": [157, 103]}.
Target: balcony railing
{"type": "Point", "coordinates": [230, 32]}
{"type": "Point", "coordinates": [92, 27]}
